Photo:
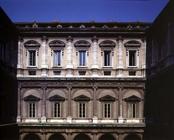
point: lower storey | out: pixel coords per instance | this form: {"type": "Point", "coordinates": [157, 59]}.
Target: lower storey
{"type": "Point", "coordinates": [81, 134]}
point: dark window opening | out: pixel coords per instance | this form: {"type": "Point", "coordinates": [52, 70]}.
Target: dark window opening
{"type": "Point", "coordinates": [132, 57]}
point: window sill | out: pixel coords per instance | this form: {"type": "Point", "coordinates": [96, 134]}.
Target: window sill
{"type": "Point", "coordinates": [82, 67]}
{"type": "Point", "coordinates": [107, 67]}
{"type": "Point", "coordinates": [32, 67]}
{"type": "Point", "coordinates": [132, 66]}
{"type": "Point", "coordinates": [57, 67]}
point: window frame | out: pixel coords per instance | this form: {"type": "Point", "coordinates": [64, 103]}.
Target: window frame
{"type": "Point", "coordinates": [29, 114]}
{"type": "Point", "coordinates": [28, 57]}
{"type": "Point", "coordinates": [133, 110]}
{"type": "Point", "coordinates": [108, 114]}
{"type": "Point", "coordinates": [83, 111]}
{"type": "Point", "coordinates": [84, 55]}
{"type": "Point", "coordinates": [60, 111]}
{"type": "Point", "coordinates": [53, 58]}
{"type": "Point", "coordinates": [109, 62]}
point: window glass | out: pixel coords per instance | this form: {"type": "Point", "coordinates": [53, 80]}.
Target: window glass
{"type": "Point", "coordinates": [132, 57]}
{"type": "Point", "coordinates": [32, 57]}
{"type": "Point", "coordinates": [32, 109]}
{"type": "Point", "coordinates": [82, 58]}
{"type": "Point", "coordinates": [107, 58]}
{"type": "Point", "coordinates": [82, 109]}
{"type": "Point", "coordinates": [56, 109]}
{"type": "Point", "coordinates": [57, 58]}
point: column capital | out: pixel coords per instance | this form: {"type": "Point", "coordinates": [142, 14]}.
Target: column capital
{"type": "Point", "coordinates": [119, 38]}
{"type": "Point", "coordinates": [94, 39]}
{"type": "Point", "coordinates": [44, 38]}
{"type": "Point", "coordinates": [69, 39]}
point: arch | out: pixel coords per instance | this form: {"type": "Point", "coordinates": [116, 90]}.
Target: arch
{"type": "Point", "coordinates": [132, 43]}
{"type": "Point", "coordinates": [106, 92]}
{"type": "Point", "coordinates": [56, 43]}
{"type": "Point", "coordinates": [132, 137]}
{"type": "Point", "coordinates": [56, 137]}
{"type": "Point", "coordinates": [82, 43]}
{"type": "Point", "coordinates": [31, 43]}
{"type": "Point", "coordinates": [107, 137]}
{"type": "Point", "coordinates": [82, 92]}
{"type": "Point", "coordinates": [107, 43]}
{"type": "Point", "coordinates": [32, 92]}
{"type": "Point", "coordinates": [57, 92]}
{"type": "Point", "coordinates": [132, 93]}
{"type": "Point", "coordinates": [82, 137]}
{"type": "Point", "coordinates": [31, 137]}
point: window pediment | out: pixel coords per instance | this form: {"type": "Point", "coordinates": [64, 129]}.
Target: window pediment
{"type": "Point", "coordinates": [133, 99]}
{"type": "Point", "coordinates": [82, 98]}
{"type": "Point", "coordinates": [56, 98]}
{"type": "Point", "coordinates": [107, 43]}
{"type": "Point", "coordinates": [133, 43]}
{"type": "Point", "coordinates": [57, 43]}
{"type": "Point", "coordinates": [31, 43]}
{"type": "Point", "coordinates": [82, 43]}
{"type": "Point", "coordinates": [31, 98]}
{"type": "Point", "coordinates": [107, 98]}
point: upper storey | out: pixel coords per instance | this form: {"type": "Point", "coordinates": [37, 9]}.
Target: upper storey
{"type": "Point", "coordinates": [82, 49]}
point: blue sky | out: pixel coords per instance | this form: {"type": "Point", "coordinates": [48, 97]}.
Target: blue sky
{"type": "Point", "coordinates": [82, 10]}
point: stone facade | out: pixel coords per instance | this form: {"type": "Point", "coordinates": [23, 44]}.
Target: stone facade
{"type": "Point", "coordinates": [81, 81]}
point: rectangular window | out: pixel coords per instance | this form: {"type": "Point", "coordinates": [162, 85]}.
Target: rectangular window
{"type": "Point", "coordinates": [32, 109]}
{"type": "Point", "coordinates": [107, 58]}
{"type": "Point", "coordinates": [133, 110]}
{"type": "Point", "coordinates": [57, 109]}
{"type": "Point", "coordinates": [82, 58]}
{"type": "Point", "coordinates": [82, 109]}
{"type": "Point", "coordinates": [132, 57]}
{"type": "Point", "coordinates": [107, 110]}
{"type": "Point", "coordinates": [32, 57]}
{"type": "Point", "coordinates": [57, 58]}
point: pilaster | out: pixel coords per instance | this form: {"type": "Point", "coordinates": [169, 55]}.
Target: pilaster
{"type": "Point", "coordinates": [69, 65]}
{"type": "Point", "coordinates": [95, 66]}
{"type": "Point", "coordinates": [120, 56]}
{"type": "Point", "coordinates": [44, 65]}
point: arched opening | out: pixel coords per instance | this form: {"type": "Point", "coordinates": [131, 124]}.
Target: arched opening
{"type": "Point", "coordinates": [56, 137]}
{"type": "Point", "coordinates": [107, 137]}
{"type": "Point", "coordinates": [31, 137]}
{"type": "Point", "coordinates": [82, 137]}
{"type": "Point", "coordinates": [132, 137]}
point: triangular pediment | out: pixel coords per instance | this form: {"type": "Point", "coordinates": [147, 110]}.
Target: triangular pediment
{"type": "Point", "coordinates": [82, 98]}
{"type": "Point", "coordinates": [56, 98]}
{"type": "Point", "coordinates": [31, 98]}
{"type": "Point", "coordinates": [133, 98]}
{"type": "Point", "coordinates": [107, 98]}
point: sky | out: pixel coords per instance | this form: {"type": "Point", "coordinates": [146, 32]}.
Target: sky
{"type": "Point", "coordinates": [83, 10]}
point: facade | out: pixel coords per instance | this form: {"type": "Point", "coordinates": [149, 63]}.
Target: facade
{"type": "Point", "coordinates": [81, 81]}
{"type": "Point", "coordinates": [8, 64]}
{"type": "Point", "coordinates": [160, 77]}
